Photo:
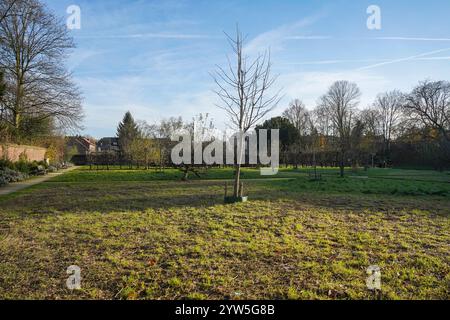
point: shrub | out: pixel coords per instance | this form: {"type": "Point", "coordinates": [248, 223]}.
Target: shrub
{"type": "Point", "coordinates": [3, 181]}
{"type": "Point", "coordinates": [20, 170]}
{"type": "Point", "coordinates": [33, 167]}
{"type": "Point", "coordinates": [8, 175]}
{"type": "Point", "coordinates": [4, 163]}
{"type": "Point", "coordinates": [42, 163]}
{"type": "Point", "coordinates": [22, 166]}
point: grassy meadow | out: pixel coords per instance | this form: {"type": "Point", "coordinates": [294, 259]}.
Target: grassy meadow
{"type": "Point", "coordinates": [140, 234]}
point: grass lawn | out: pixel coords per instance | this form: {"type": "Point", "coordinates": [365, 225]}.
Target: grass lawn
{"type": "Point", "coordinates": [146, 235]}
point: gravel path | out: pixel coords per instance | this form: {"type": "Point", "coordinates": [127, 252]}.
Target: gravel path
{"type": "Point", "coordinates": [14, 187]}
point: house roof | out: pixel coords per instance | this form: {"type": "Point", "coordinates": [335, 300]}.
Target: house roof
{"type": "Point", "coordinates": [83, 141]}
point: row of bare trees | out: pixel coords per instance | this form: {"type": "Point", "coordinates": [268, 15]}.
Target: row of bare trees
{"type": "Point", "coordinates": [349, 131]}
{"type": "Point", "coordinates": [145, 145]}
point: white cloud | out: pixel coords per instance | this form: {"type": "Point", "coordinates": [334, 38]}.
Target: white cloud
{"type": "Point", "coordinates": [154, 35]}
{"type": "Point", "coordinates": [275, 38]}
{"type": "Point", "coordinates": [331, 61]}
{"type": "Point", "coordinates": [79, 56]}
{"type": "Point", "coordinates": [308, 38]}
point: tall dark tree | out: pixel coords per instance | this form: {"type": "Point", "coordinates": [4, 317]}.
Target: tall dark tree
{"type": "Point", "coordinates": [288, 132]}
{"type": "Point", "coordinates": [127, 132]}
{"type": "Point", "coordinates": [356, 137]}
{"type": "Point", "coordinates": [289, 135]}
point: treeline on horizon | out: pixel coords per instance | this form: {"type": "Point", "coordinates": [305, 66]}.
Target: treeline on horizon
{"type": "Point", "coordinates": [397, 129]}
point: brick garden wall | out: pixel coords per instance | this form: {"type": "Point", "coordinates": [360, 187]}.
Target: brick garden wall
{"type": "Point", "coordinates": [12, 152]}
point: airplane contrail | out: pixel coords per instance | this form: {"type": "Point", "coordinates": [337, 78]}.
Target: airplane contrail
{"type": "Point", "coordinates": [403, 59]}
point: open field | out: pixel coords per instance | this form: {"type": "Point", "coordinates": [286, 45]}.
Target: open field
{"type": "Point", "coordinates": [146, 235]}
{"type": "Point", "coordinates": [378, 181]}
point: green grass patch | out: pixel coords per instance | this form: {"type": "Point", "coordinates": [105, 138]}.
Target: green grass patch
{"type": "Point", "coordinates": [165, 239]}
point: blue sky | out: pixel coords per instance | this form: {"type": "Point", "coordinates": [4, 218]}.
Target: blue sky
{"type": "Point", "coordinates": [154, 57]}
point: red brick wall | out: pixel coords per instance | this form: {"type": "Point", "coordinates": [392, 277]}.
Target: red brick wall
{"type": "Point", "coordinates": [12, 152]}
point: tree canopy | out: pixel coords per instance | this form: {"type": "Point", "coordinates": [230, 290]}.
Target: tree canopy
{"type": "Point", "coordinates": [39, 88]}
{"type": "Point", "coordinates": [289, 134]}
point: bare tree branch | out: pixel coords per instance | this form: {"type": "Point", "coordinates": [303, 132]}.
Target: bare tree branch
{"type": "Point", "coordinates": [33, 47]}
{"type": "Point", "coordinates": [429, 105]}
{"type": "Point", "coordinates": [243, 87]}
{"type": "Point", "coordinates": [340, 102]}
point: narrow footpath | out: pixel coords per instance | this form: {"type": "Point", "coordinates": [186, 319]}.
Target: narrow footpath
{"type": "Point", "coordinates": [14, 187]}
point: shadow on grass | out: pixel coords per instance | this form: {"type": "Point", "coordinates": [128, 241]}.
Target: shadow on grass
{"type": "Point", "coordinates": [51, 198]}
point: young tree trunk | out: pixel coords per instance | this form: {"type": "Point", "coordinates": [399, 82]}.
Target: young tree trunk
{"type": "Point", "coordinates": [237, 180]}
{"type": "Point", "coordinates": [17, 121]}
{"type": "Point", "coordinates": [341, 165]}
{"type": "Point", "coordinates": [185, 175]}
{"type": "Point", "coordinates": [315, 165]}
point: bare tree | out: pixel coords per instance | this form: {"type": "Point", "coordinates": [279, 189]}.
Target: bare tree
{"type": "Point", "coordinates": [429, 106]}
{"type": "Point", "coordinates": [322, 120]}
{"type": "Point", "coordinates": [144, 148]}
{"type": "Point", "coordinates": [340, 102]}
{"type": "Point", "coordinates": [164, 132]}
{"type": "Point", "coordinates": [371, 119]}
{"type": "Point", "coordinates": [169, 126]}
{"type": "Point", "coordinates": [33, 46]}
{"type": "Point", "coordinates": [243, 89]}
{"type": "Point", "coordinates": [201, 129]}
{"type": "Point", "coordinates": [389, 106]}
{"type": "Point", "coordinates": [5, 9]}
{"type": "Point", "coordinates": [299, 117]}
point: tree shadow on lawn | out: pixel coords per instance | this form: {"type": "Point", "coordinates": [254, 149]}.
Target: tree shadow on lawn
{"type": "Point", "coordinates": [278, 239]}
{"type": "Point", "coordinates": [50, 198]}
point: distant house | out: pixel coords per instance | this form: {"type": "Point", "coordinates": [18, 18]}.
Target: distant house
{"type": "Point", "coordinates": [82, 145]}
{"type": "Point", "coordinates": [108, 144]}
{"type": "Point", "coordinates": [78, 148]}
